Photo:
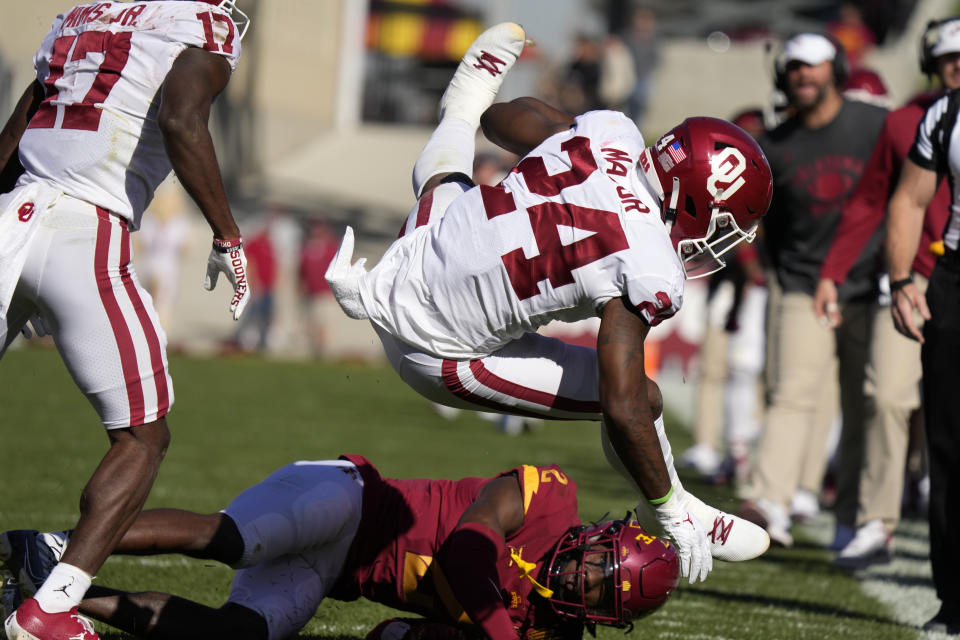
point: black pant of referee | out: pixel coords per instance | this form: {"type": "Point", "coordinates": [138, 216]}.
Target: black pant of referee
{"type": "Point", "coordinates": [940, 357]}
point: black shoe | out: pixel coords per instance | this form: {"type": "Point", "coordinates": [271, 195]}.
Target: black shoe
{"type": "Point", "coordinates": [946, 621]}
{"type": "Point", "coordinates": [10, 597]}
{"type": "Point", "coordinates": [29, 556]}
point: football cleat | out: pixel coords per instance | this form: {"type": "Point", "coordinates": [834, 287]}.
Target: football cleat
{"type": "Point", "coordinates": [804, 505]}
{"type": "Point", "coordinates": [702, 458]}
{"type": "Point", "coordinates": [10, 597]}
{"type": "Point", "coordinates": [842, 536]}
{"type": "Point", "coordinates": [872, 544]}
{"type": "Point", "coordinates": [732, 539]}
{"type": "Point", "coordinates": [772, 517]}
{"type": "Point", "coordinates": [477, 80]}
{"type": "Point", "coordinates": [30, 556]}
{"type": "Point", "coordinates": [30, 622]}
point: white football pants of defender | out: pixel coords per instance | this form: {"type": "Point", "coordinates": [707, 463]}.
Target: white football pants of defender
{"type": "Point", "coordinates": [297, 526]}
{"type": "Point", "coordinates": [78, 276]}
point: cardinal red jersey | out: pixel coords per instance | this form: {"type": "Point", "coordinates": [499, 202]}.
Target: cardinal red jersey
{"type": "Point", "coordinates": [95, 136]}
{"type": "Point", "coordinates": [405, 522]}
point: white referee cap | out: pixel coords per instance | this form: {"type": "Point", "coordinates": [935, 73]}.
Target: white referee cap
{"type": "Point", "coordinates": [948, 39]}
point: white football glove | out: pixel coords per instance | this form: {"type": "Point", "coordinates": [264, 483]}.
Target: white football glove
{"type": "Point", "coordinates": [344, 278]}
{"type": "Point", "coordinates": [686, 532]}
{"type": "Point", "coordinates": [40, 327]}
{"type": "Point", "coordinates": [228, 257]}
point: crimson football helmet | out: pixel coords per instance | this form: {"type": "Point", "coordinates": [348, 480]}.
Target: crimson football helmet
{"type": "Point", "coordinates": [715, 185]}
{"type": "Point", "coordinates": [611, 573]}
{"type": "Point", "coordinates": [230, 7]}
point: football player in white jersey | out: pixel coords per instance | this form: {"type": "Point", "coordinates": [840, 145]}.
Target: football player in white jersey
{"type": "Point", "coordinates": [575, 230]}
{"type": "Point", "coordinates": [122, 95]}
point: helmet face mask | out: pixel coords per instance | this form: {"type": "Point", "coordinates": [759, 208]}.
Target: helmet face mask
{"type": "Point", "coordinates": [611, 573]}
{"type": "Point", "coordinates": [704, 256]}
{"type": "Point", "coordinates": [583, 582]}
{"type": "Point", "coordinates": [708, 174]}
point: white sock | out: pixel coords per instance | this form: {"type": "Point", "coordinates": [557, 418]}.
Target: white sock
{"type": "Point", "coordinates": [450, 149]}
{"type": "Point", "coordinates": [644, 509]}
{"type": "Point", "coordinates": [678, 489]}
{"type": "Point", "coordinates": [63, 589]}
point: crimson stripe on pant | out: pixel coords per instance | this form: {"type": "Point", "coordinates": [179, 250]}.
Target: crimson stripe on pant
{"type": "Point", "coordinates": [149, 331]}
{"type": "Point", "coordinates": [487, 378]}
{"type": "Point", "coordinates": [121, 333]}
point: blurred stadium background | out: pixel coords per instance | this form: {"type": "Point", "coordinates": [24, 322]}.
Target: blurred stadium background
{"type": "Point", "coordinates": [334, 99]}
{"type": "Point", "coordinates": [324, 118]}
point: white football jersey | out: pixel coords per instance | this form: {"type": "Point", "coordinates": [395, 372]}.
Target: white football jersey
{"type": "Point", "coordinates": [571, 227]}
{"type": "Point", "coordinates": [96, 136]}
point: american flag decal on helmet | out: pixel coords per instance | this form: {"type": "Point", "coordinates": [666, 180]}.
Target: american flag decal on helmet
{"type": "Point", "coordinates": [676, 152]}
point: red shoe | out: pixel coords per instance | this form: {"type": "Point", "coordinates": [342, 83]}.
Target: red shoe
{"type": "Point", "coordinates": [30, 622]}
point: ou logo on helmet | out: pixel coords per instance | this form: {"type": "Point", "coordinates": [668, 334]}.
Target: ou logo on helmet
{"type": "Point", "coordinates": [725, 168]}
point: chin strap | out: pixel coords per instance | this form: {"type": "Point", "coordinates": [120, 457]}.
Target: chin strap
{"type": "Point", "coordinates": [524, 569]}
{"type": "Point", "coordinates": [670, 214]}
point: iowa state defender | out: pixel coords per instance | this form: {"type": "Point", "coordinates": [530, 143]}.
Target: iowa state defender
{"type": "Point", "coordinates": [499, 558]}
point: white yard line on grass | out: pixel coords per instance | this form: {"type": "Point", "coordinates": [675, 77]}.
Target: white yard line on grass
{"type": "Point", "coordinates": [904, 585]}
{"type": "Point", "coordinates": [910, 602]}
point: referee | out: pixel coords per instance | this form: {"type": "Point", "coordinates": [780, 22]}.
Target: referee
{"type": "Point", "coordinates": [930, 158]}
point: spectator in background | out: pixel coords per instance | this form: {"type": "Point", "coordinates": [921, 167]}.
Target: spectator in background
{"type": "Point", "coordinates": [579, 85]}
{"type": "Point", "coordinates": [730, 359]}
{"type": "Point", "coordinates": [930, 156]}
{"type": "Point", "coordinates": [617, 77]}
{"type": "Point", "coordinates": [852, 33]}
{"type": "Point", "coordinates": [641, 39]}
{"type": "Point", "coordinates": [817, 156]}
{"type": "Point", "coordinates": [894, 375]}
{"type": "Point", "coordinates": [253, 334]}
{"type": "Point", "coordinates": [163, 241]}
{"type": "Point", "coordinates": [490, 167]}
{"type": "Point", "coordinates": [867, 86]}
{"type": "Point", "coordinates": [319, 247]}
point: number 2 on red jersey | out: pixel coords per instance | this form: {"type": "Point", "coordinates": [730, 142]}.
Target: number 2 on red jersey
{"type": "Point", "coordinates": [556, 261]}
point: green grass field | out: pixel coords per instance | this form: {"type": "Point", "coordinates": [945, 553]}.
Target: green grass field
{"type": "Point", "coordinates": [236, 420]}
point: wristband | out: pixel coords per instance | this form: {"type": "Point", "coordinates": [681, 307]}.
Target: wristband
{"type": "Point", "coordinates": [660, 501]}
{"type": "Point", "coordinates": [896, 285]}
{"type": "Point", "coordinates": [224, 246]}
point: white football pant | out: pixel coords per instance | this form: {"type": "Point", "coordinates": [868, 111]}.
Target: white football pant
{"type": "Point", "coordinates": [79, 277]}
